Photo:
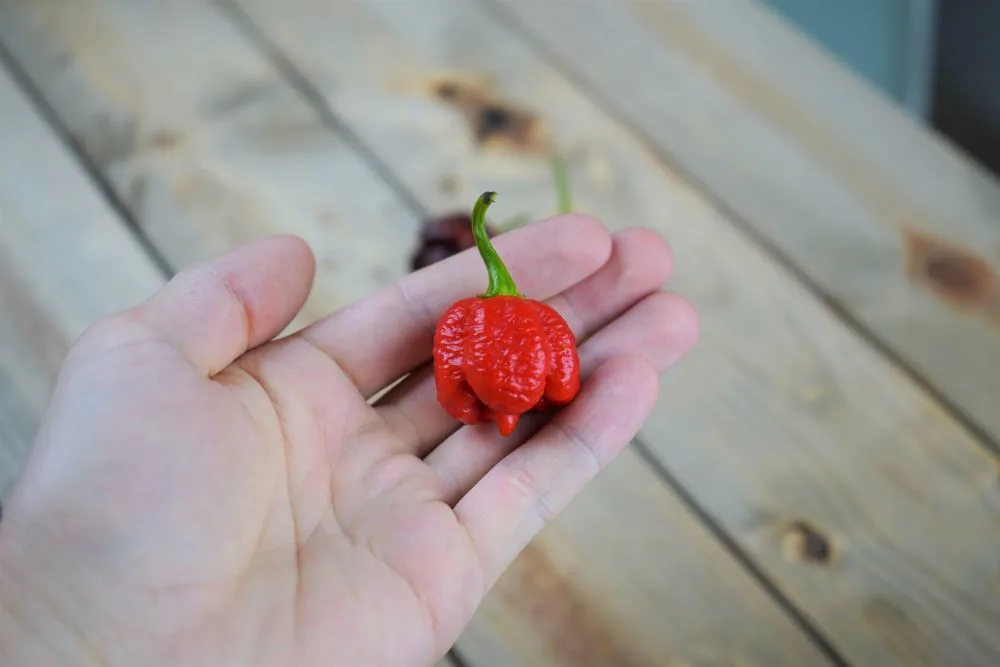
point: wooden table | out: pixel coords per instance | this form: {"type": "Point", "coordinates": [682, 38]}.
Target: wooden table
{"type": "Point", "coordinates": [819, 483]}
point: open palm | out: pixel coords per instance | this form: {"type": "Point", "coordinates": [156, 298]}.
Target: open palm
{"type": "Point", "coordinates": [203, 493]}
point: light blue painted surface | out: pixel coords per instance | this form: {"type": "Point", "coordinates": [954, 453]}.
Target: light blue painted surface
{"type": "Point", "coordinates": [885, 41]}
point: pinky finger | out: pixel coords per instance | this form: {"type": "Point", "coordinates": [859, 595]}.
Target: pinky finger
{"type": "Point", "coordinates": [531, 485]}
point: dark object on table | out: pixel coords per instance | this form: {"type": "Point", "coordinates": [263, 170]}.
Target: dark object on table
{"type": "Point", "coordinates": [449, 234]}
{"type": "Point", "coordinates": [444, 236]}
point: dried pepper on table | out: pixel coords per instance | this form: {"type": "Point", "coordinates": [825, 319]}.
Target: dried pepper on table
{"type": "Point", "coordinates": [449, 234]}
{"type": "Point", "coordinates": [442, 237]}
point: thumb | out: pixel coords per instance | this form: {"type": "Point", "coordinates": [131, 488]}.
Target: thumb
{"type": "Point", "coordinates": [215, 311]}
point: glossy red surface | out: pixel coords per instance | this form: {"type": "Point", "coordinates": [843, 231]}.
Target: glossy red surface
{"type": "Point", "coordinates": [499, 357]}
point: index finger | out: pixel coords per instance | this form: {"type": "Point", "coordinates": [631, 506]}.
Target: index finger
{"type": "Point", "coordinates": [380, 338]}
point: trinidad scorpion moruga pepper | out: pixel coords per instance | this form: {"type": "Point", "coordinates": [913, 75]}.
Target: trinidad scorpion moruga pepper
{"type": "Point", "coordinates": [498, 355]}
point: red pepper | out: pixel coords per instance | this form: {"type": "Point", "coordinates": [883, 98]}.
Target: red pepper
{"type": "Point", "coordinates": [498, 355]}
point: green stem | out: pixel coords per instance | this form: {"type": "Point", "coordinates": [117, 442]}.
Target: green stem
{"type": "Point", "coordinates": [500, 281]}
{"type": "Point", "coordinates": [562, 184]}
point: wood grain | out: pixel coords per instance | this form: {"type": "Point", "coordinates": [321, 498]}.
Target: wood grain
{"type": "Point", "coordinates": [620, 578]}
{"type": "Point", "coordinates": [65, 260]}
{"type": "Point", "coordinates": [824, 168]}
{"type": "Point", "coordinates": [200, 107]}
{"type": "Point", "coordinates": [207, 146]}
{"type": "Point", "coordinates": [840, 476]}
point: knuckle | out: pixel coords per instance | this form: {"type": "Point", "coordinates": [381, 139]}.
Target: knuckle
{"type": "Point", "coordinates": [688, 322]}
{"type": "Point", "coordinates": [580, 235]}
{"type": "Point", "coordinates": [676, 319]}
{"type": "Point", "coordinates": [215, 286]}
{"type": "Point", "coordinates": [581, 444]}
{"type": "Point", "coordinates": [525, 484]}
{"type": "Point", "coordinates": [106, 335]}
{"type": "Point", "coordinates": [107, 332]}
{"type": "Point", "coordinates": [584, 221]}
{"type": "Point", "coordinates": [647, 247]}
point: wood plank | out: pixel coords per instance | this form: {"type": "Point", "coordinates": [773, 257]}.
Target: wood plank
{"type": "Point", "coordinates": [65, 260]}
{"type": "Point", "coordinates": [781, 416]}
{"type": "Point", "coordinates": [208, 157]}
{"type": "Point", "coordinates": [898, 226]}
{"type": "Point", "coordinates": [95, 59]}
{"type": "Point", "coordinates": [606, 582]}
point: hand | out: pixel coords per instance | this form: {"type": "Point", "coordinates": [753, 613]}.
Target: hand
{"type": "Point", "coordinates": [204, 493]}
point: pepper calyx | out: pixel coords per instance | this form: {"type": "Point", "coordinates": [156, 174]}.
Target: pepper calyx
{"type": "Point", "coordinates": [501, 282]}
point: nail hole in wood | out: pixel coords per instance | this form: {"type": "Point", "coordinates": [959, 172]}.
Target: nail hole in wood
{"type": "Point", "coordinates": [447, 91]}
{"type": "Point", "coordinates": [955, 274]}
{"type": "Point", "coordinates": [493, 120]}
{"type": "Point", "coordinates": [805, 543]}
{"type": "Point", "coordinates": [165, 139]}
{"type": "Point", "coordinates": [958, 275]}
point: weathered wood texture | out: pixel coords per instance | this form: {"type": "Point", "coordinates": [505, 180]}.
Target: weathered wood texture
{"type": "Point", "coordinates": [594, 590]}
{"type": "Point", "coordinates": [65, 260]}
{"type": "Point", "coordinates": [627, 569]}
{"type": "Point", "coordinates": [783, 414]}
{"type": "Point", "coordinates": [207, 146]}
{"type": "Point", "coordinates": [891, 221]}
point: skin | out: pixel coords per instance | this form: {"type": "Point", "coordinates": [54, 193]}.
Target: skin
{"type": "Point", "coordinates": [204, 492]}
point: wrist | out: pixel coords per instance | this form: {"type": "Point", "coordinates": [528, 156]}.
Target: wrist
{"type": "Point", "coordinates": [32, 629]}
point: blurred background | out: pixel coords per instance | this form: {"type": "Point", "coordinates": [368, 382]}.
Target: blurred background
{"type": "Point", "coordinates": [818, 484]}
{"type": "Point", "coordinates": [938, 60]}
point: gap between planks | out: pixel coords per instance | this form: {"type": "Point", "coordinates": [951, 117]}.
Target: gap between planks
{"type": "Point", "coordinates": [802, 620]}
{"type": "Point", "coordinates": [55, 279]}
{"type": "Point", "coordinates": [87, 165]}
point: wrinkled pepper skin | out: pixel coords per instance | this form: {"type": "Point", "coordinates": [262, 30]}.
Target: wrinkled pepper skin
{"type": "Point", "coordinates": [499, 355]}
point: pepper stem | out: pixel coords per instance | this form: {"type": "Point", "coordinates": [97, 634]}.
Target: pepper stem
{"type": "Point", "coordinates": [501, 284]}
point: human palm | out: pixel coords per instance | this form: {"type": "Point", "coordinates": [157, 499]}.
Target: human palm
{"type": "Point", "coordinates": [203, 493]}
